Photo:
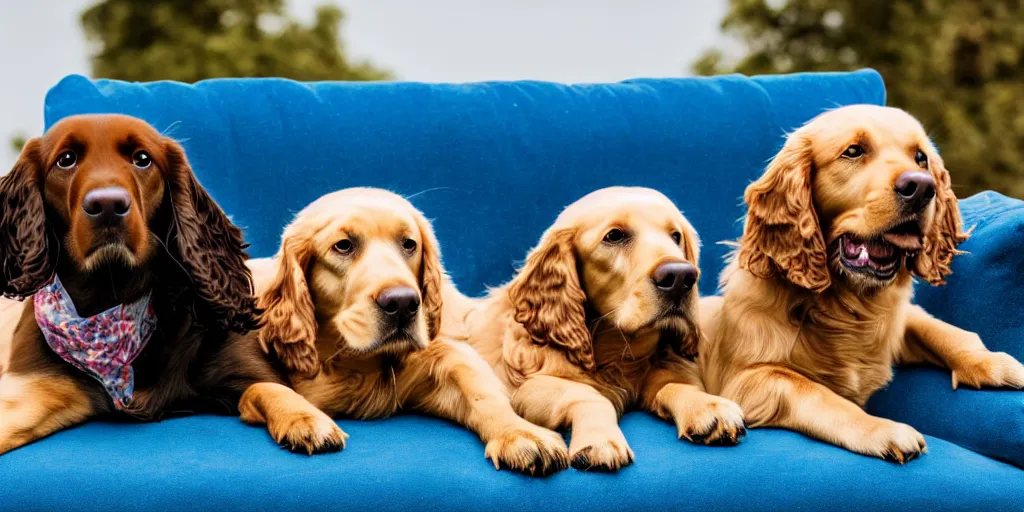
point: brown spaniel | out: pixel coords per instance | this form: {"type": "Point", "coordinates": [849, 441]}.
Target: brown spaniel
{"type": "Point", "coordinates": [104, 214]}
{"type": "Point", "coordinates": [603, 317]}
{"type": "Point", "coordinates": [817, 298]}
{"type": "Point", "coordinates": [353, 307]}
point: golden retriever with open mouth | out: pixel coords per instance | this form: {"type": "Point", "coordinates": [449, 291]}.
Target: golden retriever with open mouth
{"type": "Point", "coordinates": [817, 299]}
{"type": "Point", "coordinates": [600, 318]}
{"type": "Point", "coordinates": [353, 305]}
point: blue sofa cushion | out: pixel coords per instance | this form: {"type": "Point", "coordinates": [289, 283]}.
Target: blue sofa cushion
{"type": "Point", "coordinates": [416, 463]}
{"type": "Point", "coordinates": [985, 294]}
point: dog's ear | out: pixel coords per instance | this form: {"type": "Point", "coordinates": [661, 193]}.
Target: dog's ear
{"type": "Point", "coordinates": [946, 232]}
{"type": "Point", "coordinates": [549, 301]}
{"type": "Point", "coordinates": [26, 262]}
{"type": "Point", "coordinates": [431, 276]}
{"type": "Point", "coordinates": [289, 319]}
{"type": "Point", "coordinates": [210, 249]}
{"type": "Point", "coordinates": [781, 235]}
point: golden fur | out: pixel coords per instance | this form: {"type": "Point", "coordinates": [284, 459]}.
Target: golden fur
{"type": "Point", "coordinates": [801, 339]}
{"type": "Point", "coordinates": [581, 333]}
{"type": "Point", "coordinates": [10, 312]}
{"type": "Point", "coordinates": [324, 323]}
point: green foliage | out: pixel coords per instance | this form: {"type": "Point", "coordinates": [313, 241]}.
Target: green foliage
{"type": "Point", "coordinates": [188, 40]}
{"type": "Point", "coordinates": [958, 65]}
{"type": "Point", "coordinates": [18, 141]}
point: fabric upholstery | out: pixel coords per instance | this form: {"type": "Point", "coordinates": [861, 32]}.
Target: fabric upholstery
{"type": "Point", "coordinates": [492, 164]}
{"type": "Point", "coordinates": [416, 463]}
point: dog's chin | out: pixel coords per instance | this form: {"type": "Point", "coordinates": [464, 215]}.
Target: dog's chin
{"type": "Point", "coordinates": [674, 319]}
{"type": "Point", "coordinates": [113, 253]}
{"type": "Point", "coordinates": [395, 342]}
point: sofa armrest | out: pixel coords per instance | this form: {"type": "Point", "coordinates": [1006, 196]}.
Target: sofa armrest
{"type": "Point", "coordinates": [985, 294]}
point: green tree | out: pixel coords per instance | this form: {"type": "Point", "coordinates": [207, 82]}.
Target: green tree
{"type": "Point", "coordinates": [958, 65]}
{"type": "Point", "coordinates": [190, 40]}
{"type": "Point", "coordinates": [18, 141]}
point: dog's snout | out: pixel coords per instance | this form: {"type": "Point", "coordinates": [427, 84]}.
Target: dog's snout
{"type": "Point", "coordinates": [107, 205]}
{"type": "Point", "coordinates": [399, 303]}
{"type": "Point", "coordinates": [916, 189]}
{"type": "Point", "coordinates": [675, 279]}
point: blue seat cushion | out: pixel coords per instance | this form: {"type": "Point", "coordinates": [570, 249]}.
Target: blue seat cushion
{"type": "Point", "coordinates": [417, 463]}
{"type": "Point", "coordinates": [985, 295]}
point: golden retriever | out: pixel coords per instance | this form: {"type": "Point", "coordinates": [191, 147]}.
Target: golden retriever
{"type": "Point", "coordinates": [817, 297]}
{"type": "Point", "coordinates": [600, 318]}
{"type": "Point", "coordinates": [353, 305]}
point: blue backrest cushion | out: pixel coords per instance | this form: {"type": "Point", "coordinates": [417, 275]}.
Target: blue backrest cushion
{"type": "Point", "coordinates": [492, 163]}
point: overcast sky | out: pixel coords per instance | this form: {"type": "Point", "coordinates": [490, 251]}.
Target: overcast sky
{"type": "Point", "coordinates": [429, 40]}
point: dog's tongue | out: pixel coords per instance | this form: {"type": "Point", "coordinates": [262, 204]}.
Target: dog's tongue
{"type": "Point", "coordinates": [905, 241]}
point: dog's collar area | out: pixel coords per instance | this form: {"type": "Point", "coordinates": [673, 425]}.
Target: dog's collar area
{"type": "Point", "coordinates": [102, 346]}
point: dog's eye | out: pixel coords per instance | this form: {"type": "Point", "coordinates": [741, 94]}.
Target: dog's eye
{"type": "Point", "coordinates": [142, 160]}
{"type": "Point", "coordinates": [615, 236]}
{"type": "Point", "coordinates": [921, 159]}
{"type": "Point", "coordinates": [677, 237]}
{"type": "Point", "coordinates": [854, 151]}
{"type": "Point", "coordinates": [67, 160]}
{"type": "Point", "coordinates": [344, 246]}
{"type": "Point", "coordinates": [409, 245]}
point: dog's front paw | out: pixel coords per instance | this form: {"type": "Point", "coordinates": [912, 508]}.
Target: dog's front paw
{"type": "Point", "coordinates": [307, 432]}
{"type": "Point", "coordinates": [892, 441]}
{"type": "Point", "coordinates": [599, 450]}
{"type": "Point", "coordinates": [982, 368]}
{"type": "Point", "coordinates": [528, 449]}
{"type": "Point", "coordinates": [711, 420]}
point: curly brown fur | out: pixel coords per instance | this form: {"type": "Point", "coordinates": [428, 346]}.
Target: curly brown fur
{"type": "Point", "coordinates": [817, 302]}
{"type": "Point", "coordinates": [171, 242]}
{"type": "Point", "coordinates": [25, 260]}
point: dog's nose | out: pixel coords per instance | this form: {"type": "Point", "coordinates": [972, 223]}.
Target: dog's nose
{"type": "Point", "coordinates": [399, 303]}
{"type": "Point", "coordinates": [107, 205]}
{"type": "Point", "coordinates": [675, 279]}
{"type": "Point", "coordinates": [916, 189]}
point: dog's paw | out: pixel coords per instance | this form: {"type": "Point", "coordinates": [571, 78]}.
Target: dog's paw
{"type": "Point", "coordinates": [982, 368]}
{"type": "Point", "coordinates": [710, 420]}
{"type": "Point", "coordinates": [599, 451]}
{"type": "Point", "coordinates": [892, 441]}
{"type": "Point", "coordinates": [528, 449]}
{"type": "Point", "coordinates": [307, 432]}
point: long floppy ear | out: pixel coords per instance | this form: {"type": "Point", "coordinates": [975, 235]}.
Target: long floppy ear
{"type": "Point", "coordinates": [289, 320]}
{"type": "Point", "coordinates": [946, 232]}
{"type": "Point", "coordinates": [431, 276]}
{"type": "Point", "coordinates": [549, 301]}
{"type": "Point", "coordinates": [26, 263]}
{"type": "Point", "coordinates": [210, 249]}
{"type": "Point", "coordinates": [781, 235]}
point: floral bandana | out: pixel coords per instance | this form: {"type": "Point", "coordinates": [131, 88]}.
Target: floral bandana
{"type": "Point", "coordinates": [102, 346]}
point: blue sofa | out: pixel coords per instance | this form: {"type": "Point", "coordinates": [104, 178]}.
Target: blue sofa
{"type": "Point", "coordinates": [493, 164]}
